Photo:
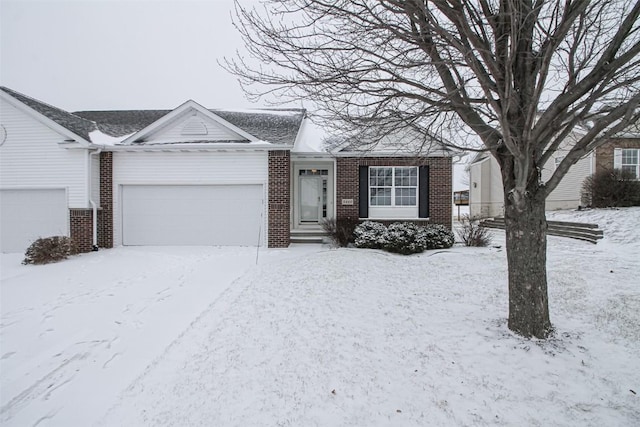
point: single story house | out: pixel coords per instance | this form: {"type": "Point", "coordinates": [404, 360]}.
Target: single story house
{"type": "Point", "coordinates": [486, 197]}
{"type": "Point", "coordinates": [197, 176]}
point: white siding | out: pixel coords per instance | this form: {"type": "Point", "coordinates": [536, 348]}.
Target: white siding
{"type": "Point", "coordinates": [486, 198]}
{"type": "Point", "coordinates": [32, 158]}
{"type": "Point", "coordinates": [184, 168]}
{"type": "Point", "coordinates": [214, 131]}
{"type": "Point", "coordinates": [485, 189]}
{"type": "Point", "coordinates": [95, 178]}
{"type": "Point", "coordinates": [567, 195]}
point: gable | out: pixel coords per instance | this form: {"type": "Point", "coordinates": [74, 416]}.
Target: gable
{"type": "Point", "coordinates": [193, 126]}
{"type": "Point", "coordinates": [73, 127]}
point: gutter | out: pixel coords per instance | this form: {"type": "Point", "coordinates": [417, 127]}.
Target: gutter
{"type": "Point", "coordinates": [94, 206]}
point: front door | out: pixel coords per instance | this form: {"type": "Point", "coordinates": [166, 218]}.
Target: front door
{"type": "Point", "coordinates": [311, 198]}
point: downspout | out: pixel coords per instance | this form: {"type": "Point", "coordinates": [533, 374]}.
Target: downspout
{"type": "Point", "coordinates": [94, 206]}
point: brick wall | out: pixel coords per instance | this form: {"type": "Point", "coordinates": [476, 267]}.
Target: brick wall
{"type": "Point", "coordinates": [604, 153]}
{"type": "Point", "coordinates": [279, 198]}
{"type": "Point", "coordinates": [440, 184]}
{"type": "Point", "coordinates": [105, 215]}
{"type": "Point", "coordinates": [81, 222]}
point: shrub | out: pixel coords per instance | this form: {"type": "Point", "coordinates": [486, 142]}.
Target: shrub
{"type": "Point", "coordinates": [437, 236]}
{"type": "Point", "coordinates": [611, 188]}
{"type": "Point", "coordinates": [370, 234]}
{"type": "Point", "coordinates": [402, 237]}
{"type": "Point", "coordinates": [48, 249]}
{"type": "Point", "coordinates": [472, 234]}
{"type": "Point", "coordinates": [340, 231]}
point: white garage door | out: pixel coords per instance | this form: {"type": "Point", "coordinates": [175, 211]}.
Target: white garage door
{"type": "Point", "coordinates": [26, 215]}
{"type": "Point", "coordinates": [226, 215]}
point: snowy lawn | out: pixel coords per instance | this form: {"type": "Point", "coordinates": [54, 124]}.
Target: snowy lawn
{"type": "Point", "coordinates": [74, 334]}
{"type": "Point", "coordinates": [323, 337]}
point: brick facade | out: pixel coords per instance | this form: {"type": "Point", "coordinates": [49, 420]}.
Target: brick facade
{"type": "Point", "coordinates": [279, 209]}
{"type": "Point", "coordinates": [105, 216]}
{"type": "Point", "coordinates": [81, 225]}
{"type": "Point", "coordinates": [440, 184]}
{"type": "Point", "coordinates": [604, 153]}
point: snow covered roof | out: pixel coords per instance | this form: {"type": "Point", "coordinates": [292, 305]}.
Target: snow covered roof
{"type": "Point", "coordinates": [71, 122]}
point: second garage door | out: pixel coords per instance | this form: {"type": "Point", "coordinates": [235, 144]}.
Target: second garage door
{"type": "Point", "coordinates": [26, 215]}
{"type": "Point", "coordinates": [226, 215]}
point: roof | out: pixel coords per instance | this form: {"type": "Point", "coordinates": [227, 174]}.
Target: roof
{"type": "Point", "coordinates": [77, 125]}
{"type": "Point", "coordinates": [408, 142]}
{"type": "Point", "coordinates": [278, 126]}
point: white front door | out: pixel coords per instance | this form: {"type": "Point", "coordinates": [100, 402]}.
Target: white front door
{"type": "Point", "coordinates": [310, 198]}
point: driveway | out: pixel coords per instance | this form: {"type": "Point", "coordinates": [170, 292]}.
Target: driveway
{"type": "Point", "coordinates": [74, 334]}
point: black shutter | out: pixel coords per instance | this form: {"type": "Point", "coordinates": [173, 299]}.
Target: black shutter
{"type": "Point", "coordinates": [423, 191]}
{"type": "Point", "coordinates": [363, 192]}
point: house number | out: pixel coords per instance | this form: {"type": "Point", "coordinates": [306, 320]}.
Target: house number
{"type": "Point", "coordinates": [348, 202]}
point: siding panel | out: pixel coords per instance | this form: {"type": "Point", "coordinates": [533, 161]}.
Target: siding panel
{"type": "Point", "coordinates": [31, 157]}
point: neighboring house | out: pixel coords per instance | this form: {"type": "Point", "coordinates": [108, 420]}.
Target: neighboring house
{"type": "Point", "coordinates": [195, 176]}
{"type": "Point", "coordinates": [486, 197]}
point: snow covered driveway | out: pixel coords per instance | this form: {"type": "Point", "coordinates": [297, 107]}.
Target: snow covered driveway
{"type": "Point", "coordinates": [75, 334]}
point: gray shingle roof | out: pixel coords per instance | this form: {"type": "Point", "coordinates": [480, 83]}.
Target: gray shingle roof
{"type": "Point", "coordinates": [278, 126]}
{"type": "Point", "coordinates": [71, 122]}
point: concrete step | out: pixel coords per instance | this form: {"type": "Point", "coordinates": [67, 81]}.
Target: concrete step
{"type": "Point", "coordinates": [308, 236]}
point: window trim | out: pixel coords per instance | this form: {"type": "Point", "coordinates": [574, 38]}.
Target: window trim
{"type": "Point", "coordinates": [393, 187]}
{"type": "Point", "coordinates": [636, 164]}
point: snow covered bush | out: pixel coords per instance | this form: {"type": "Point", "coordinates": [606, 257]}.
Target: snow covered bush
{"type": "Point", "coordinates": [370, 235]}
{"type": "Point", "coordinates": [47, 250]}
{"type": "Point", "coordinates": [472, 234]}
{"type": "Point", "coordinates": [405, 238]}
{"type": "Point", "coordinates": [402, 237]}
{"type": "Point", "coordinates": [436, 236]}
{"type": "Point", "coordinates": [340, 231]}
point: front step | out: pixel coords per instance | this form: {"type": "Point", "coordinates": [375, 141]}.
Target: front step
{"type": "Point", "coordinates": [308, 236]}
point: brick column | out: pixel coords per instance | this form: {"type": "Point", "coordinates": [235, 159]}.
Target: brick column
{"type": "Point", "coordinates": [105, 215]}
{"type": "Point", "coordinates": [81, 230]}
{"type": "Point", "coordinates": [279, 205]}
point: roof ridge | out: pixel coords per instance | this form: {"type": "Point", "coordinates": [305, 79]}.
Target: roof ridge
{"type": "Point", "coordinates": [37, 101]}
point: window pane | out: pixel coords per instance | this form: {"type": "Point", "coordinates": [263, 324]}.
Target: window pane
{"type": "Point", "coordinates": [630, 157]}
{"type": "Point", "coordinates": [631, 169]}
{"type": "Point", "coordinates": [380, 197]}
{"type": "Point", "coordinates": [405, 196]}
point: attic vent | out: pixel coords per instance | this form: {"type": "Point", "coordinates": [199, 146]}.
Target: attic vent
{"type": "Point", "coordinates": [194, 126]}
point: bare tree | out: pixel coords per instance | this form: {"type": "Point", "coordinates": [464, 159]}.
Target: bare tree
{"type": "Point", "coordinates": [519, 74]}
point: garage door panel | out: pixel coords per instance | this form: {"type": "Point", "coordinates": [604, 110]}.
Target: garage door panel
{"type": "Point", "coordinates": [225, 215]}
{"type": "Point", "coordinates": [27, 214]}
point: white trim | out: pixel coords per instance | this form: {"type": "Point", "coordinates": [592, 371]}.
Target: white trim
{"type": "Point", "coordinates": [201, 146]}
{"type": "Point", "coordinates": [174, 114]}
{"type": "Point", "coordinates": [617, 158]}
{"type": "Point", "coordinates": [51, 124]}
{"type": "Point", "coordinates": [299, 165]}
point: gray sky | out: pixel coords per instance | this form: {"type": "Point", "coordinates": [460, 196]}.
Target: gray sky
{"type": "Point", "coordinates": [134, 54]}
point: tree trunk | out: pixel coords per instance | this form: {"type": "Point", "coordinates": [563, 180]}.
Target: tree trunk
{"type": "Point", "coordinates": [526, 234]}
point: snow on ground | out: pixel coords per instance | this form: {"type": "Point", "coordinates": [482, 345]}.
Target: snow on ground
{"type": "Point", "coordinates": [74, 334]}
{"type": "Point", "coordinates": [326, 337]}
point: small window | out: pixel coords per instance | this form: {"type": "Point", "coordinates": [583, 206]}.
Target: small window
{"type": "Point", "coordinates": [393, 186]}
{"type": "Point", "coordinates": [630, 161]}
